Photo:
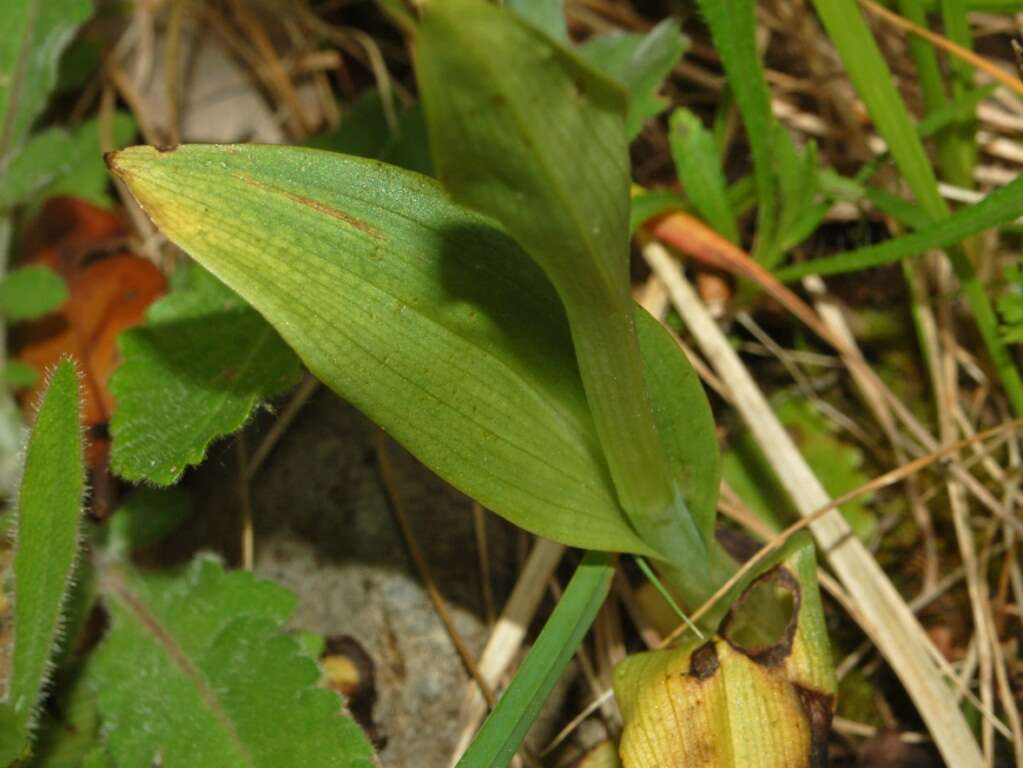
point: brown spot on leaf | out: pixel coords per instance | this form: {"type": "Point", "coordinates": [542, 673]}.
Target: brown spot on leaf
{"type": "Point", "coordinates": [704, 662]}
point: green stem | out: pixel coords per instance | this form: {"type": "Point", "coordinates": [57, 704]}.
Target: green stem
{"type": "Point", "coordinates": [611, 366]}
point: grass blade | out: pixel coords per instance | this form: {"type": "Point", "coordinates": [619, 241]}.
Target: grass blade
{"type": "Point", "coordinates": [699, 169]}
{"type": "Point", "coordinates": [999, 208]}
{"type": "Point", "coordinates": [873, 81]}
{"type": "Point", "coordinates": [504, 730]}
{"type": "Point", "coordinates": [46, 543]}
{"type": "Point", "coordinates": [733, 26]}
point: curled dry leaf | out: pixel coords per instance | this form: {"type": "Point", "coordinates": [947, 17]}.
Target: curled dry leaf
{"type": "Point", "coordinates": [109, 289]}
{"type": "Point", "coordinates": [759, 693]}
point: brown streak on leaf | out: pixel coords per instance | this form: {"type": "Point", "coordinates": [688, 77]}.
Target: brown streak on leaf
{"type": "Point", "coordinates": [819, 708]}
{"type": "Point", "coordinates": [316, 206]}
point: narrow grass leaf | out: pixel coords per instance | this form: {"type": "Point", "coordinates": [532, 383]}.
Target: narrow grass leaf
{"type": "Point", "coordinates": [46, 544]}
{"type": "Point", "coordinates": [428, 319]}
{"type": "Point", "coordinates": [733, 26]}
{"type": "Point", "coordinates": [998, 208]}
{"type": "Point", "coordinates": [872, 78]}
{"type": "Point", "coordinates": [699, 170]}
{"type": "Point", "coordinates": [503, 732]}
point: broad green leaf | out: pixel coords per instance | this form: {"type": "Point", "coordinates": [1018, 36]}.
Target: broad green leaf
{"type": "Point", "coordinates": [527, 133]}
{"type": "Point", "coordinates": [427, 318]}
{"type": "Point", "coordinates": [503, 732]}
{"type": "Point", "coordinates": [31, 292]}
{"type": "Point", "coordinates": [35, 33]}
{"type": "Point", "coordinates": [195, 670]}
{"type": "Point", "coordinates": [998, 208]}
{"type": "Point", "coordinates": [46, 544]}
{"type": "Point", "coordinates": [640, 63]}
{"type": "Point", "coordinates": [699, 170]}
{"type": "Point", "coordinates": [192, 373]}
{"type": "Point", "coordinates": [364, 132]}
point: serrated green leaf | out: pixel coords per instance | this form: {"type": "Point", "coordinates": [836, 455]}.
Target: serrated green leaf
{"type": "Point", "coordinates": [31, 292]}
{"type": "Point", "coordinates": [35, 33]}
{"type": "Point", "coordinates": [503, 732]}
{"type": "Point", "coordinates": [428, 319]}
{"type": "Point", "coordinates": [801, 209]}
{"type": "Point", "coordinates": [192, 373]}
{"type": "Point", "coordinates": [195, 671]}
{"type": "Point", "coordinates": [699, 170]}
{"type": "Point", "coordinates": [640, 62]}
{"type": "Point", "coordinates": [527, 133]}
{"type": "Point", "coordinates": [46, 543]}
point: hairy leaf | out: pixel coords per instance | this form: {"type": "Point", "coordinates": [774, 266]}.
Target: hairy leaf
{"type": "Point", "coordinates": [46, 543]}
{"type": "Point", "coordinates": [195, 671]}
{"type": "Point", "coordinates": [35, 33]}
{"type": "Point", "coordinates": [428, 319]}
{"type": "Point", "coordinates": [31, 292]}
{"type": "Point", "coordinates": [194, 372]}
